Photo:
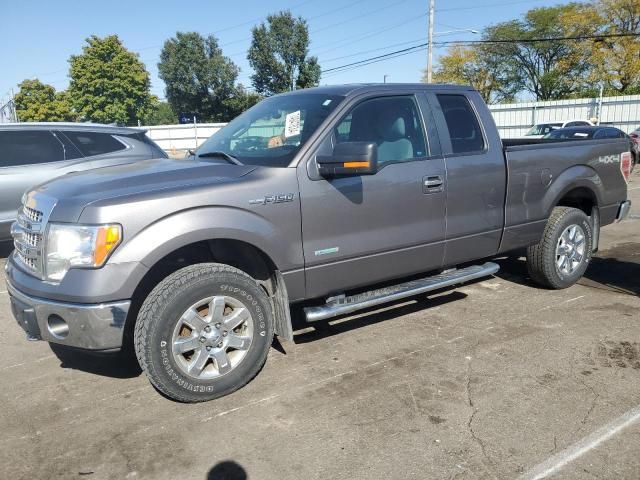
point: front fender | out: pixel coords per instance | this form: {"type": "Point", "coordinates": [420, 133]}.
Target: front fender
{"type": "Point", "coordinates": [182, 228]}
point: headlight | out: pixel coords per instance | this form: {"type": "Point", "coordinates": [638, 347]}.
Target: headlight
{"type": "Point", "coordinates": [79, 246]}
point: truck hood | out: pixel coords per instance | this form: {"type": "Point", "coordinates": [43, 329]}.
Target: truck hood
{"type": "Point", "coordinates": [74, 191]}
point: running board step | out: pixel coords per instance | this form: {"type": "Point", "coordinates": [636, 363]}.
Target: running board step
{"type": "Point", "coordinates": [344, 305]}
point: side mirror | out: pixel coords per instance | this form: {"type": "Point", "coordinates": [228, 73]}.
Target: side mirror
{"type": "Point", "coordinates": [349, 158]}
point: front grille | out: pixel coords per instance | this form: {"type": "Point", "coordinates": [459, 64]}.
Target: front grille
{"type": "Point", "coordinates": [30, 263]}
{"type": "Point", "coordinates": [32, 214]}
{"type": "Point", "coordinates": [27, 239]}
{"type": "Point", "coordinates": [31, 239]}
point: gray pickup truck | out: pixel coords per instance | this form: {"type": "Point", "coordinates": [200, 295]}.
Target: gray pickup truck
{"type": "Point", "coordinates": [334, 199]}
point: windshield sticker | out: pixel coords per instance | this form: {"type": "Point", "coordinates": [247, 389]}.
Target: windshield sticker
{"type": "Point", "coordinates": [292, 124]}
{"type": "Point", "coordinates": [326, 103]}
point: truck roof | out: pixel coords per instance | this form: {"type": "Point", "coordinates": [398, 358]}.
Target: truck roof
{"type": "Point", "coordinates": [348, 89]}
{"type": "Point", "coordinates": [96, 127]}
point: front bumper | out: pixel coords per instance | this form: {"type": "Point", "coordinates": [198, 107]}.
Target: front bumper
{"type": "Point", "coordinates": [623, 211]}
{"type": "Point", "coordinates": [88, 326]}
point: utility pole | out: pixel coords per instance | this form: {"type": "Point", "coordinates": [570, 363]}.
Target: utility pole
{"type": "Point", "coordinates": [430, 42]}
{"type": "Point", "coordinates": [384, 78]}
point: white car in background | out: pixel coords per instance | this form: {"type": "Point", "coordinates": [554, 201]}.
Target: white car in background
{"type": "Point", "coordinates": [541, 129]}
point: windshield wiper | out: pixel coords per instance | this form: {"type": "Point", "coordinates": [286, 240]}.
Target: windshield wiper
{"type": "Point", "coordinates": [220, 154]}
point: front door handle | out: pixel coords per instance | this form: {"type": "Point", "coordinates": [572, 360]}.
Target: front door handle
{"type": "Point", "coordinates": [432, 184]}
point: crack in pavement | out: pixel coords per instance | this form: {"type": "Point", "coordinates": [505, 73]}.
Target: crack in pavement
{"type": "Point", "coordinates": [474, 411]}
{"type": "Point", "coordinates": [596, 395]}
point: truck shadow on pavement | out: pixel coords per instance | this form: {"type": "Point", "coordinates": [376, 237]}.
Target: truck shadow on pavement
{"type": "Point", "coordinates": [616, 269]}
{"type": "Point", "coordinates": [114, 365]}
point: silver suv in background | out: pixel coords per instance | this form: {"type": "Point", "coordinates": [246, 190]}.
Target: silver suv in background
{"type": "Point", "coordinates": [33, 153]}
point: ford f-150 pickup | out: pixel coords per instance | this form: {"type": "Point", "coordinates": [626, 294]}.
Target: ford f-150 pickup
{"type": "Point", "coordinates": [334, 199]}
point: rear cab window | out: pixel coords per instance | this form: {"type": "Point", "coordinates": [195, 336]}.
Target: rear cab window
{"type": "Point", "coordinates": [93, 143]}
{"type": "Point", "coordinates": [462, 122]}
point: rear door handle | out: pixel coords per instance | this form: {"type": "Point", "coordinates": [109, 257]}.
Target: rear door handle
{"type": "Point", "coordinates": [432, 184]}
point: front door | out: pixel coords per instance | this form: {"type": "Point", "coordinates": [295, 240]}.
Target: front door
{"type": "Point", "coordinates": [360, 230]}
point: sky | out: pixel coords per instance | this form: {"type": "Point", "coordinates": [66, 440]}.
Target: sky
{"type": "Point", "coordinates": [40, 35]}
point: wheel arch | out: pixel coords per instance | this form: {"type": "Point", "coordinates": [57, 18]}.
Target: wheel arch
{"type": "Point", "coordinates": [579, 187]}
{"type": "Point", "coordinates": [185, 239]}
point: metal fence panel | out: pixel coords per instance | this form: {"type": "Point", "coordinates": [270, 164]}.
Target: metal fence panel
{"type": "Point", "coordinates": [514, 119]}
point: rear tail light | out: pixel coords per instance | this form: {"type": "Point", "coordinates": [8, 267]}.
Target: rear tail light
{"type": "Point", "coordinates": [625, 165]}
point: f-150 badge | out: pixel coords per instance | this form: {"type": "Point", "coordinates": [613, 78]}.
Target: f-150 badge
{"type": "Point", "coordinates": [277, 198]}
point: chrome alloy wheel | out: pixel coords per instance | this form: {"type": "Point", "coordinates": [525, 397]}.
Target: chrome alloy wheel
{"type": "Point", "coordinates": [212, 337]}
{"type": "Point", "coordinates": [570, 251]}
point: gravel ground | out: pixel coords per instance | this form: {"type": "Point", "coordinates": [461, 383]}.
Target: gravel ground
{"type": "Point", "coordinates": [498, 379]}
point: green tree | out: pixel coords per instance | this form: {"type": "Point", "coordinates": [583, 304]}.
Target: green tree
{"type": "Point", "coordinates": [240, 101]}
{"type": "Point", "coordinates": [39, 102]}
{"type": "Point", "coordinates": [469, 66]}
{"type": "Point", "coordinates": [279, 55]}
{"type": "Point", "coordinates": [547, 69]}
{"type": "Point", "coordinates": [161, 113]}
{"type": "Point", "coordinates": [199, 78]}
{"type": "Point", "coordinates": [109, 83]}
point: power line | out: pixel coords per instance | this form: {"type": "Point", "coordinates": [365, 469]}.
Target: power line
{"type": "Point", "coordinates": [339, 43]}
{"type": "Point", "coordinates": [487, 5]}
{"type": "Point", "coordinates": [372, 50]}
{"type": "Point", "coordinates": [415, 48]}
{"type": "Point", "coordinates": [331, 12]}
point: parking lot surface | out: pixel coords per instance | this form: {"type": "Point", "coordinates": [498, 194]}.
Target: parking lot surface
{"type": "Point", "coordinates": [497, 379]}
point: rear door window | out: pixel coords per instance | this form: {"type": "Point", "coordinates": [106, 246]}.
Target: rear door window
{"type": "Point", "coordinates": [93, 143]}
{"type": "Point", "coordinates": [462, 123]}
{"type": "Point", "coordinates": [29, 148]}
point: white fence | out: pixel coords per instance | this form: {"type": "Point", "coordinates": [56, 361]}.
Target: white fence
{"type": "Point", "coordinates": [513, 120]}
{"type": "Point", "coordinates": [176, 139]}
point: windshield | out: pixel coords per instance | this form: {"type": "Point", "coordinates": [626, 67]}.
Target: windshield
{"type": "Point", "coordinates": [273, 131]}
{"type": "Point", "coordinates": [543, 128]}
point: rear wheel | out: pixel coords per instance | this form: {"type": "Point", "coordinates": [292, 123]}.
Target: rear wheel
{"type": "Point", "coordinates": [564, 252]}
{"type": "Point", "coordinates": [203, 332]}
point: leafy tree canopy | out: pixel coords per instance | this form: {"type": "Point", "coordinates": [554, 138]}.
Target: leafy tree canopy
{"type": "Point", "coordinates": [199, 78]}
{"type": "Point", "coordinates": [39, 102]}
{"type": "Point", "coordinates": [465, 65]}
{"type": "Point", "coordinates": [161, 113]}
{"type": "Point", "coordinates": [279, 55]}
{"type": "Point", "coordinates": [109, 83]}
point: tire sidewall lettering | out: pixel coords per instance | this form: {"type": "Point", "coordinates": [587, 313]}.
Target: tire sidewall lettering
{"type": "Point", "coordinates": [260, 332]}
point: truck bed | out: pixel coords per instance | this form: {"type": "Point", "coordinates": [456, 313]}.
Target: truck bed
{"type": "Point", "coordinates": [540, 171]}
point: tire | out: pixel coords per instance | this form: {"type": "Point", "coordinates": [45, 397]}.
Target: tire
{"type": "Point", "coordinates": [181, 313]}
{"type": "Point", "coordinates": [558, 261]}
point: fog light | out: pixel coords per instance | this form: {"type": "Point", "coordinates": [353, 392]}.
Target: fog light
{"type": "Point", "coordinates": [57, 327]}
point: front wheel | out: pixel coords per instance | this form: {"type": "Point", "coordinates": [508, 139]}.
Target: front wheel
{"type": "Point", "coordinates": [564, 253]}
{"type": "Point", "coordinates": [203, 332]}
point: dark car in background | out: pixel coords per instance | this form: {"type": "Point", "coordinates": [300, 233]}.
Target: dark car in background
{"type": "Point", "coordinates": [595, 133]}
{"type": "Point", "coordinates": [32, 153]}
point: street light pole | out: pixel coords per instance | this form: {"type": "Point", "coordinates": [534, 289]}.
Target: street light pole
{"type": "Point", "coordinates": [430, 42]}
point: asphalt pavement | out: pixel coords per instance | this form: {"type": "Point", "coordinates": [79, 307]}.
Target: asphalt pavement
{"type": "Point", "coordinates": [497, 379]}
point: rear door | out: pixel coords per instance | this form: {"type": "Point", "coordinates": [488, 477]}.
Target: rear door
{"type": "Point", "coordinates": [359, 230]}
{"type": "Point", "coordinates": [476, 175]}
